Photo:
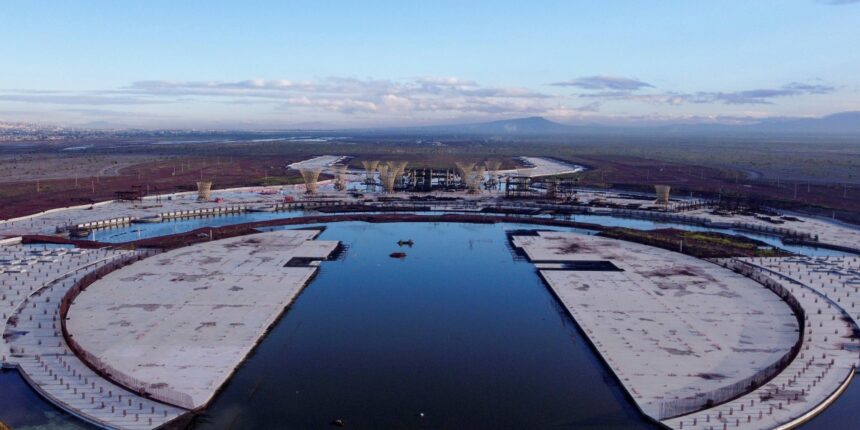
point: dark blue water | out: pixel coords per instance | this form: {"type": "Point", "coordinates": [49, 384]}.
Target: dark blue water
{"type": "Point", "coordinates": [457, 331]}
{"type": "Point", "coordinates": [22, 408]}
{"type": "Point", "coordinates": [141, 231]}
{"type": "Point", "coordinates": [844, 413]}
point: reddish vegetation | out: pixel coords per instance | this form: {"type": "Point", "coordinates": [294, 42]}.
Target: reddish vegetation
{"type": "Point", "coordinates": [640, 174]}
{"type": "Point", "coordinates": [180, 174]}
{"type": "Point", "coordinates": [610, 171]}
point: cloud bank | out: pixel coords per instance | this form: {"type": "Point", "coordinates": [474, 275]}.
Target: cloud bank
{"type": "Point", "coordinates": [605, 83]}
{"type": "Point", "coordinates": [414, 100]}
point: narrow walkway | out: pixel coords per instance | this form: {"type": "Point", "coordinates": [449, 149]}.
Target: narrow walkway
{"type": "Point", "coordinates": [675, 330]}
{"type": "Point", "coordinates": [178, 325]}
{"type": "Point", "coordinates": [837, 278]}
{"type": "Point", "coordinates": [800, 384]}
{"type": "Point", "coordinates": [819, 373]}
{"type": "Point", "coordinates": [37, 348]}
{"type": "Point", "coordinates": [26, 269]}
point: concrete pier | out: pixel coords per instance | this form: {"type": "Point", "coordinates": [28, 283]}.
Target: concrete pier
{"type": "Point", "coordinates": [815, 378]}
{"type": "Point", "coordinates": [670, 326]}
{"type": "Point", "coordinates": [33, 342]}
{"type": "Point", "coordinates": [836, 278]}
{"type": "Point", "coordinates": [678, 331]}
{"type": "Point", "coordinates": [184, 320]}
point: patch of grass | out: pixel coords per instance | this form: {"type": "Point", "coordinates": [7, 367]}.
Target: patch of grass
{"type": "Point", "coordinates": [697, 244]}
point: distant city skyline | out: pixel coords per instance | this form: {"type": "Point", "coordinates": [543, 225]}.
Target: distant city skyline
{"type": "Point", "coordinates": [303, 64]}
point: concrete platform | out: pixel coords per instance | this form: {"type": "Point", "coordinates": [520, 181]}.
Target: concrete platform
{"type": "Point", "coordinates": [323, 162]}
{"type": "Point", "coordinates": [34, 344]}
{"type": "Point", "coordinates": [25, 270]}
{"type": "Point", "coordinates": [826, 231]}
{"type": "Point", "coordinates": [541, 166]}
{"type": "Point", "coordinates": [185, 319]}
{"type": "Point", "coordinates": [837, 278]}
{"type": "Point", "coordinates": [815, 378]}
{"type": "Point", "coordinates": [671, 327]}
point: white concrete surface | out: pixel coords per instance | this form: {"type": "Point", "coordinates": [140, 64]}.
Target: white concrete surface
{"type": "Point", "coordinates": [812, 381]}
{"type": "Point", "coordinates": [24, 270]}
{"type": "Point", "coordinates": [837, 278]}
{"type": "Point", "coordinates": [33, 342]}
{"type": "Point", "coordinates": [658, 332]}
{"type": "Point", "coordinates": [185, 319]}
{"type": "Point", "coordinates": [827, 232]}
{"type": "Point", "coordinates": [669, 326]}
{"type": "Point", "coordinates": [540, 166]}
{"type": "Point", "coordinates": [47, 223]}
{"type": "Point", "coordinates": [323, 162]}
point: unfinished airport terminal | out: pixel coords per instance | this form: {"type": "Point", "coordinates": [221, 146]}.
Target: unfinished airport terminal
{"type": "Point", "coordinates": [136, 313]}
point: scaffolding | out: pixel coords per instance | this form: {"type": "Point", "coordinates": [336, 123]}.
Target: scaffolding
{"type": "Point", "coordinates": [734, 201]}
{"type": "Point", "coordinates": [550, 188]}
{"type": "Point", "coordinates": [518, 187]}
{"type": "Point", "coordinates": [135, 194]}
{"type": "Point", "coordinates": [427, 180]}
{"type": "Point", "coordinates": [558, 188]}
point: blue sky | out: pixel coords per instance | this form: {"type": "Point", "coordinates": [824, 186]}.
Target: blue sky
{"type": "Point", "coordinates": [279, 64]}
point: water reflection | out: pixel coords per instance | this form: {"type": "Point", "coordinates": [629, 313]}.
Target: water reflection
{"type": "Point", "coordinates": [456, 331]}
{"type": "Point", "coordinates": [455, 335]}
{"type": "Point", "coordinates": [142, 231]}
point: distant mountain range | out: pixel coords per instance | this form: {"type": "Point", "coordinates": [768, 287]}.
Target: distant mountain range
{"type": "Point", "coordinates": [845, 123]}
{"type": "Point", "coordinates": [530, 125]}
{"type": "Point", "coordinates": [840, 124]}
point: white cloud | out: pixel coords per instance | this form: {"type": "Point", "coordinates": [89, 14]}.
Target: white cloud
{"type": "Point", "coordinates": [423, 99]}
{"type": "Point", "coordinates": [604, 83]}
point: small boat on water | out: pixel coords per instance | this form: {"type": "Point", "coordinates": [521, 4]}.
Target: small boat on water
{"type": "Point", "coordinates": [399, 255]}
{"type": "Point", "coordinates": [408, 243]}
{"type": "Point", "coordinates": [148, 219]}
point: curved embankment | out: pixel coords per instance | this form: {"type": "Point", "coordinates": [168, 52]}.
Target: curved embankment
{"type": "Point", "coordinates": [679, 333]}
{"type": "Point", "coordinates": [209, 233]}
{"type": "Point", "coordinates": [802, 394]}
{"type": "Point", "coordinates": [688, 340]}
{"type": "Point", "coordinates": [177, 325]}
{"type": "Point", "coordinates": [834, 281]}
{"type": "Point", "coordinates": [821, 371]}
{"type": "Point", "coordinates": [39, 349]}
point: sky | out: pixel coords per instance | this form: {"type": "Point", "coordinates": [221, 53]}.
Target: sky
{"type": "Point", "coordinates": [332, 64]}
